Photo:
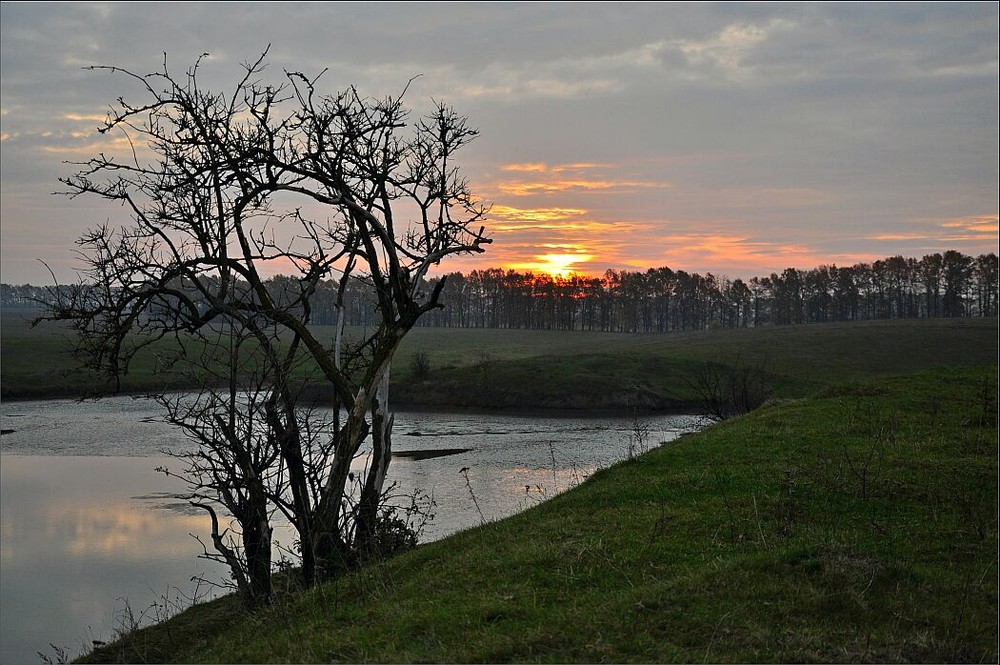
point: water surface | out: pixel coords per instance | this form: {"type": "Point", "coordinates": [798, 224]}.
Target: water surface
{"type": "Point", "coordinates": [89, 529]}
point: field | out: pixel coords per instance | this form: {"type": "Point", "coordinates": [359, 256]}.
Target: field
{"type": "Point", "coordinates": [856, 525]}
{"type": "Point", "coordinates": [853, 518]}
{"type": "Point", "coordinates": [38, 363]}
{"type": "Point", "coordinates": [510, 368]}
{"type": "Point", "coordinates": [484, 368]}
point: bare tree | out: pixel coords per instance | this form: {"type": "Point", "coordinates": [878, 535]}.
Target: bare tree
{"type": "Point", "coordinates": [726, 391]}
{"type": "Point", "coordinates": [223, 188]}
{"type": "Point", "coordinates": [240, 430]}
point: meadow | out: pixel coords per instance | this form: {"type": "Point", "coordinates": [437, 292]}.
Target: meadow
{"type": "Point", "coordinates": [853, 518]}
{"type": "Point", "coordinates": [541, 369]}
{"type": "Point", "coordinates": [855, 525]}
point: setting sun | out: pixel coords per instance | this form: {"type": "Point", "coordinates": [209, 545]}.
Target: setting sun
{"type": "Point", "coordinates": [561, 265]}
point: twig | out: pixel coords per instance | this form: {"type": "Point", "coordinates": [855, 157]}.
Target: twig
{"type": "Point", "coordinates": [757, 514]}
{"type": "Point", "coordinates": [465, 472]}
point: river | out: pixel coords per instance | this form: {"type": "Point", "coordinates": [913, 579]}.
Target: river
{"type": "Point", "coordinates": [93, 539]}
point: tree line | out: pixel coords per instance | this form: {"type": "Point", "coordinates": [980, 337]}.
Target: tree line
{"type": "Point", "coordinates": [949, 284]}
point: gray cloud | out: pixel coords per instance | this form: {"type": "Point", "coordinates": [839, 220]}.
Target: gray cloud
{"type": "Point", "coordinates": [885, 111]}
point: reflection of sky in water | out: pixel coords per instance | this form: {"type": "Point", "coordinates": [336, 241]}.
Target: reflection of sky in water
{"type": "Point", "coordinates": [74, 543]}
{"type": "Point", "coordinates": [86, 521]}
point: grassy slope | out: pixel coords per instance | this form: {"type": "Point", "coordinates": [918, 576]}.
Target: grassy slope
{"type": "Point", "coordinates": [38, 363]}
{"type": "Point", "coordinates": [804, 531]}
{"type": "Point", "coordinates": [546, 368]}
{"type": "Point", "coordinates": [856, 525]}
{"type": "Point", "coordinates": [571, 370]}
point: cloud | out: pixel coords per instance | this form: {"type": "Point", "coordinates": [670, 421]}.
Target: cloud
{"type": "Point", "coordinates": [728, 49]}
{"type": "Point", "coordinates": [576, 185]}
{"type": "Point", "coordinates": [507, 216]}
{"type": "Point", "coordinates": [739, 135]}
{"type": "Point", "coordinates": [87, 117]}
{"type": "Point", "coordinates": [576, 177]}
{"type": "Point", "coordinates": [931, 233]}
{"type": "Point", "coordinates": [899, 236]}
{"type": "Point", "coordinates": [536, 167]}
{"type": "Point", "coordinates": [977, 224]}
{"type": "Point", "coordinates": [542, 167]}
{"type": "Point", "coordinates": [105, 144]}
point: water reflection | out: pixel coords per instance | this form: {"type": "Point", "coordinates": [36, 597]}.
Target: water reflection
{"type": "Point", "coordinates": [76, 545]}
{"type": "Point", "coordinates": [86, 521]}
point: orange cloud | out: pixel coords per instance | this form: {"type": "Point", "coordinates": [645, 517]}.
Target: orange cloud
{"type": "Point", "coordinates": [578, 177]}
{"type": "Point", "coordinates": [576, 166]}
{"type": "Point", "coordinates": [975, 224]}
{"type": "Point", "coordinates": [104, 144]}
{"type": "Point", "coordinates": [542, 167]}
{"type": "Point", "coordinates": [88, 117]}
{"type": "Point", "coordinates": [534, 214]}
{"type": "Point", "coordinates": [535, 167]}
{"type": "Point", "coordinates": [934, 232]}
{"type": "Point", "coordinates": [555, 222]}
{"type": "Point", "coordinates": [579, 185]}
{"type": "Point", "coordinates": [900, 236]}
{"type": "Point", "coordinates": [564, 228]}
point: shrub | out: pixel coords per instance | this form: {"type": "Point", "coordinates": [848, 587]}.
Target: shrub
{"type": "Point", "coordinates": [421, 366]}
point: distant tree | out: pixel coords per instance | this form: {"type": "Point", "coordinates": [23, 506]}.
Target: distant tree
{"type": "Point", "coordinates": [930, 277]}
{"type": "Point", "coordinates": [845, 294]}
{"type": "Point", "coordinates": [738, 297]}
{"type": "Point", "coordinates": [956, 270]}
{"type": "Point", "coordinates": [787, 296]}
{"type": "Point", "coordinates": [224, 188]}
{"type": "Point", "coordinates": [761, 290]}
{"type": "Point", "coordinates": [987, 275]}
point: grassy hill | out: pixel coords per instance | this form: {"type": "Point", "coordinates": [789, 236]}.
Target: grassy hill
{"type": "Point", "coordinates": [859, 524]}
{"type": "Point", "coordinates": [485, 368]}
{"type": "Point", "coordinates": [501, 368]}
{"type": "Point", "coordinates": [854, 519]}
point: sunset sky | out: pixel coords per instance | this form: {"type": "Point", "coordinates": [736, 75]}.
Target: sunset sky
{"type": "Point", "coordinates": [738, 139]}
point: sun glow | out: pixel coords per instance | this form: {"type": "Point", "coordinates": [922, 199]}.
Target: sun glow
{"type": "Point", "coordinates": [557, 265]}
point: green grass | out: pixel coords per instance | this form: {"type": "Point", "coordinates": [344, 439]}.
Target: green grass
{"type": "Point", "coordinates": [858, 524]}
{"type": "Point", "coordinates": [38, 363]}
{"type": "Point", "coordinates": [577, 370]}
{"type": "Point", "coordinates": [552, 369]}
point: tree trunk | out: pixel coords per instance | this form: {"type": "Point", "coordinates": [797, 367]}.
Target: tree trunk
{"type": "Point", "coordinates": [378, 466]}
{"type": "Point", "coordinates": [257, 549]}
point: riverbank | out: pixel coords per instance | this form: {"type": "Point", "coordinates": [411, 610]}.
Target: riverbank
{"type": "Point", "coordinates": [559, 371]}
{"type": "Point", "coordinates": [858, 524]}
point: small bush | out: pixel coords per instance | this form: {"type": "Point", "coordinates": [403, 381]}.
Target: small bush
{"type": "Point", "coordinates": [398, 527]}
{"type": "Point", "coordinates": [421, 366]}
{"type": "Point", "coordinates": [727, 391]}
{"type": "Point", "coordinates": [393, 534]}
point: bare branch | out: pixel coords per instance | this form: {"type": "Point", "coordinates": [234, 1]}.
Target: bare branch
{"type": "Point", "coordinates": [220, 188]}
